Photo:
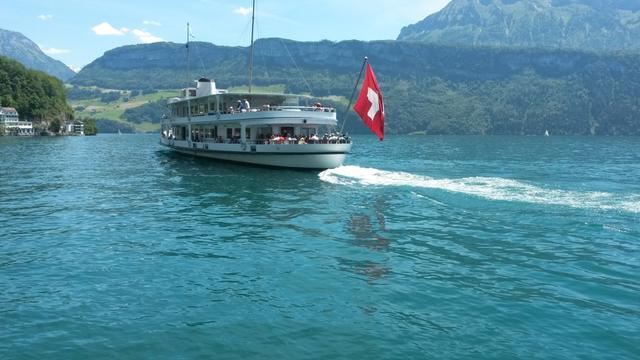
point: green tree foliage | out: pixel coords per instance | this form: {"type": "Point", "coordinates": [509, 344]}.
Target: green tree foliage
{"type": "Point", "coordinates": [54, 126]}
{"type": "Point", "coordinates": [78, 93]}
{"type": "Point", "coordinates": [151, 112]}
{"type": "Point", "coordinates": [36, 95]}
{"type": "Point", "coordinates": [110, 96]}
{"type": "Point", "coordinates": [90, 126]}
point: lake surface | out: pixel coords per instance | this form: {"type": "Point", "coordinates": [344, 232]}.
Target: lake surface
{"type": "Point", "coordinates": [420, 247]}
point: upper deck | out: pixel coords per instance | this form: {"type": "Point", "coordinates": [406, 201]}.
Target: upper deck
{"type": "Point", "coordinates": [250, 109]}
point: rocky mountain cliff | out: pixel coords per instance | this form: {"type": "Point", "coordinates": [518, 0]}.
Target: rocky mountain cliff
{"type": "Point", "coordinates": [16, 46]}
{"type": "Point", "coordinates": [571, 24]}
{"type": "Point", "coordinates": [327, 67]}
{"type": "Point", "coordinates": [428, 87]}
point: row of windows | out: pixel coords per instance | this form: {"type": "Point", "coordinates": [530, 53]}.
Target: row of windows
{"type": "Point", "coordinates": [252, 133]}
{"type": "Point", "coordinates": [196, 109]}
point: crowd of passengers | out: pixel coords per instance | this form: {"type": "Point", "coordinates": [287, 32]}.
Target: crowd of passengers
{"type": "Point", "coordinates": [330, 138]}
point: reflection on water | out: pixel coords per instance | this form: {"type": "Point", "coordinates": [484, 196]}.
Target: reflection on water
{"type": "Point", "coordinates": [367, 234]}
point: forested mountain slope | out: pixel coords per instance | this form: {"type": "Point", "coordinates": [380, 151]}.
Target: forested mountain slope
{"type": "Point", "coordinates": [428, 87]}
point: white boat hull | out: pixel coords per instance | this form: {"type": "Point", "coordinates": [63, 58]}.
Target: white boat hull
{"type": "Point", "coordinates": [307, 156]}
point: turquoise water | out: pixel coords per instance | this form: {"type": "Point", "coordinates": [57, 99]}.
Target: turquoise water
{"type": "Point", "coordinates": [421, 247]}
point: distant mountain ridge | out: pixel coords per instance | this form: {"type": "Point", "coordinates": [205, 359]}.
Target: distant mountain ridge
{"type": "Point", "coordinates": [428, 87]}
{"type": "Point", "coordinates": [16, 46]}
{"type": "Point", "coordinates": [569, 24]}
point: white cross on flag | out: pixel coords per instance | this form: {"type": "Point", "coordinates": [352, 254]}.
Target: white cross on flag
{"type": "Point", "coordinates": [370, 106]}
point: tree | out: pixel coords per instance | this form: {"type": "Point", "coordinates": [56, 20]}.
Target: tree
{"type": "Point", "coordinates": [54, 126]}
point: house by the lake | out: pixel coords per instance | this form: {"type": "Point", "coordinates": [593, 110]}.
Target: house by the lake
{"type": "Point", "coordinates": [10, 123]}
{"type": "Point", "coordinates": [74, 128]}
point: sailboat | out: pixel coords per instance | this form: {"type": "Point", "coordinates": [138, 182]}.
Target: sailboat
{"type": "Point", "coordinates": [278, 130]}
{"type": "Point", "coordinates": [546, 133]}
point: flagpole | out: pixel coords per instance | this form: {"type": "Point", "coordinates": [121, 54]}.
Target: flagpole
{"type": "Point", "coordinates": [188, 74]}
{"type": "Point", "coordinates": [253, 20]}
{"type": "Point", "coordinates": [353, 93]}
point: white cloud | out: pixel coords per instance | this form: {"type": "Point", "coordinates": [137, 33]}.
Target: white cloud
{"type": "Point", "coordinates": [45, 17]}
{"type": "Point", "coordinates": [53, 51]}
{"type": "Point", "coordinates": [146, 37]}
{"type": "Point", "coordinates": [105, 29]}
{"type": "Point", "coordinates": [75, 68]}
{"type": "Point", "coordinates": [244, 11]}
{"type": "Point", "coordinates": [151, 22]}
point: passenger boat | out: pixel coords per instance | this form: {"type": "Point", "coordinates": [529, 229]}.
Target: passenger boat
{"type": "Point", "coordinates": [278, 130]}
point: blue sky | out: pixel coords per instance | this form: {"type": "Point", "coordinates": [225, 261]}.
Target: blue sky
{"type": "Point", "coordinates": [79, 31]}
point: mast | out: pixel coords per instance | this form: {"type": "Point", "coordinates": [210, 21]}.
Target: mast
{"type": "Point", "coordinates": [253, 19]}
{"type": "Point", "coordinates": [188, 75]}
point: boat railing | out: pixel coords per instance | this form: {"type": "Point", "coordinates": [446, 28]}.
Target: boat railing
{"type": "Point", "coordinates": [276, 108]}
{"type": "Point", "coordinates": [265, 108]}
{"type": "Point", "coordinates": [290, 141]}
{"type": "Point", "coordinates": [293, 141]}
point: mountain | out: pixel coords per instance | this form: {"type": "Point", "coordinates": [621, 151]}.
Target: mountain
{"type": "Point", "coordinates": [428, 87]}
{"type": "Point", "coordinates": [18, 47]}
{"type": "Point", "coordinates": [37, 96]}
{"type": "Point", "coordinates": [571, 24]}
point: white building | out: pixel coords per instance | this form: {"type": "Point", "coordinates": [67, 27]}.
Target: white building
{"type": "Point", "coordinates": [10, 122]}
{"type": "Point", "coordinates": [74, 128]}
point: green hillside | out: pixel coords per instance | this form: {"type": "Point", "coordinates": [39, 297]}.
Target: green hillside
{"type": "Point", "coordinates": [118, 109]}
{"type": "Point", "coordinates": [38, 97]}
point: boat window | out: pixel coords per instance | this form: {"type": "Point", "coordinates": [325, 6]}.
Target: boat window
{"type": "Point", "coordinates": [229, 133]}
{"type": "Point", "coordinates": [307, 131]}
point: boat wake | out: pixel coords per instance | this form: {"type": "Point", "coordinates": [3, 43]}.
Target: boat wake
{"type": "Point", "coordinates": [486, 187]}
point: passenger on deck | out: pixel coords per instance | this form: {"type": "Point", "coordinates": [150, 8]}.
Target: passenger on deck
{"type": "Point", "coordinates": [245, 105]}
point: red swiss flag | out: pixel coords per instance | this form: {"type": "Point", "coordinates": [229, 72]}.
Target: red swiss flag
{"type": "Point", "coordinates": [370, 106]}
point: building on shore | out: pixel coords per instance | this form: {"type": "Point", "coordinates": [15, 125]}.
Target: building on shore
{"type": "Point", "coordinates": [74, 128]}
{"type": "Point", "coordinates": [10, 123]}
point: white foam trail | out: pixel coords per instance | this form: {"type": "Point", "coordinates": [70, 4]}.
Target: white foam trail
{"type": "Point", "coordinates": [485, 187]}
